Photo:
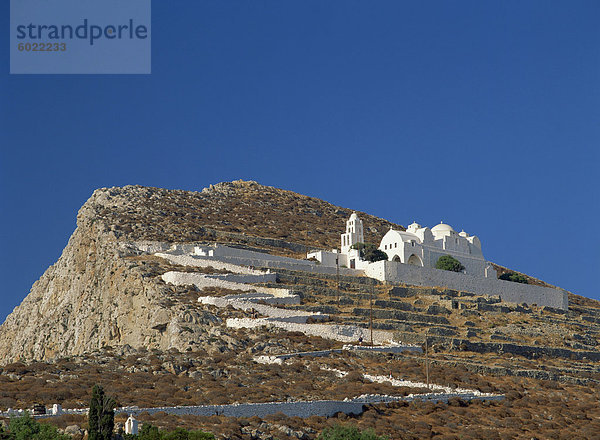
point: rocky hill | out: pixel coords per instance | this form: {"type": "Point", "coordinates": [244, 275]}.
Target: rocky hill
{"type": "Point", "coordinates": [97, 294]}
{"type": "Point", "coordinates": [104, 314]}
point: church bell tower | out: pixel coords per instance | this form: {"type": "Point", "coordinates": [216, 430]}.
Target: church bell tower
{"type": "Point", "coordinates": [354, 233]}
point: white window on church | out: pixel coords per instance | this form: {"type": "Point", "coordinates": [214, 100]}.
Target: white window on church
{"type": "Point", "coordinates": [396, 244]}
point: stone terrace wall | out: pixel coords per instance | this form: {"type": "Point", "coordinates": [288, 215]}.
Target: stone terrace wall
{"type": "Point", "coordinates": [265, 260]}
{"type": "Point", "coordinates": [508, 291]}
{"type": "Point", "coordinates": [201, 281]}
{"type": "Point", "coordinates": [228, 257]}
{"type": "Point", "coordinates": [324, 408]}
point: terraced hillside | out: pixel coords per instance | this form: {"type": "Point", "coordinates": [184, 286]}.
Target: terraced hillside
{"type": "Point", "coordinates": [543, 342]}
{"type": "Point", "coordinates": [104, 313]}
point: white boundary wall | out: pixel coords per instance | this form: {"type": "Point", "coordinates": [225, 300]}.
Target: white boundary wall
{"type": "Point", "coordinates": [194, 261]}
{"type": "Point", "coordinates": [391, 271]}
{"type": "Point", "coordinates": [337, 332]}
{"type": "Point", "coordinates": [264, 260]}
{"type": "Point", "coordinates": [240, 261]}
{"type": "Point", "coordinates": [201, 281]}
{"type": "Point", "coordinates": [508, 291]}
{"type": "Point", "coordinates": [324, 408]}
{"type": "Point", "coordinates": [272, 313]}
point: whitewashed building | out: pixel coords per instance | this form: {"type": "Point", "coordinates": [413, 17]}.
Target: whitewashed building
{"type": "Point", "coordinates": [417, 246]}
{"type": "Point", "coordinates": [421, 246]}
{"type": "Point", "coordinates": [347, 257]}
{"type": "Point", "coordinates": [131, 426]}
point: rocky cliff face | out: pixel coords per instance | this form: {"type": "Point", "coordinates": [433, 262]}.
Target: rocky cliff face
{"type": "Point", "coordinates": [93, 297]}
{"type": "Point", "coordinates": [98, 294]}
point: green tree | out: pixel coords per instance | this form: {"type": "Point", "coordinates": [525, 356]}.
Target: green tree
{"type": "Point", "coordinates": [27, 428]}
{"type": "Point", "coordinates": [370, 252]}
{"type": "Point", "coordinates": [339, 432]}
{"type": "Point", "coordinates": [4, 434]}
{"type": "Point", "coordinates": [24, 427]}
{"type": "Point", "coordinates": [49, 432]}
{"type": "Point", "coordinates": [149, 432]}
{"type": "Point", "coordinates": [183, 434]}
{"type": "Point", "coordinates": [101, 417]}
{"type": "Point", "coordinates": [373, 255]}
{"type": "Point", "coordinates": [514, 277]}
{"type": "Point", "coordinates": [447, 262]}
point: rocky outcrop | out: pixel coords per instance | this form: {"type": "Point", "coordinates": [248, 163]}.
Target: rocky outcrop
{"type": "Point", "coordinates": [95, 296]}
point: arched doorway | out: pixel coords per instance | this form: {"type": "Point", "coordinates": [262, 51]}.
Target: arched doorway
{"type": "Point", "coordinates": [414, 260]}
{"type": "Point", "coordinates": [396, 258]}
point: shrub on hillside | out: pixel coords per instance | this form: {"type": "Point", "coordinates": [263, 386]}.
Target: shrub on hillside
{"type": "Point", "coordinates": [26, 428]}
{"type": "Point", "coordinates": [373, 255]}
{"type": "Point", "coordinates": [340, 432]}
{"type": "Point", "coordinates": [150, 432]}
{"type": "Point", "coordinates": [370, 252]}
{"type": "Point", "coordinates": [514, 277]}
{"type": "Point", "coordinates": [447, 262]}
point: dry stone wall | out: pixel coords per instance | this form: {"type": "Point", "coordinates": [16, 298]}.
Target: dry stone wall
{"type": "Point", "coordinates": [392, 271]}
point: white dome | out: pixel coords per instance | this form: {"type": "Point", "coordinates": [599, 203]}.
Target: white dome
{"type": "Point", "coordinates": [442, 227]}
{"type": "Point", "coordinates": [414, 225]}
{"type": "Point", "coordinates": [406, 237]}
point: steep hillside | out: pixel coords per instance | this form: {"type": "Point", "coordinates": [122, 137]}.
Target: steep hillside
{"type": "Point", "coordinates": [97, 295]}
{"type": "Point", "coordinates": [141, 213]}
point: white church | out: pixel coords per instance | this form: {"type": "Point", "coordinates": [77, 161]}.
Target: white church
{"type": "Point", "coordinates": [417, 246]}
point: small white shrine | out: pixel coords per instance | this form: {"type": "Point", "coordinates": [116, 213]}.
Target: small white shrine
{"type": "Point", "coordinates": [131, 426]}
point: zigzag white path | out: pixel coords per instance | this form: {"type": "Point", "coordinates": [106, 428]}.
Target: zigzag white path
{"type": "Point", "coordinates": [195, 261]}
{"type": "Point", "coordinates": [201, 281]}
{"type": "Point", "coordinates": [291, 320]}
{"type": "Point", "coordinates": [336, 332]}
{"type": "Point", "coordinates": [435, 389]}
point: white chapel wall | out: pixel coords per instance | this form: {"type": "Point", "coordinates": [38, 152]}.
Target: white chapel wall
{"type": "Point", "coordinates": [508, 291]}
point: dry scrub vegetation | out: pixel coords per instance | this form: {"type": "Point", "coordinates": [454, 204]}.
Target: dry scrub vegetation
{"type": "Point", "coordinates": [143, 213]}
{"type": "Point", "coordinates": [532, 408]}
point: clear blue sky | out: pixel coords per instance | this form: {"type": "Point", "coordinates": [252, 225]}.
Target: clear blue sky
{"type": "Point", "coordinates": [483, 114]}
